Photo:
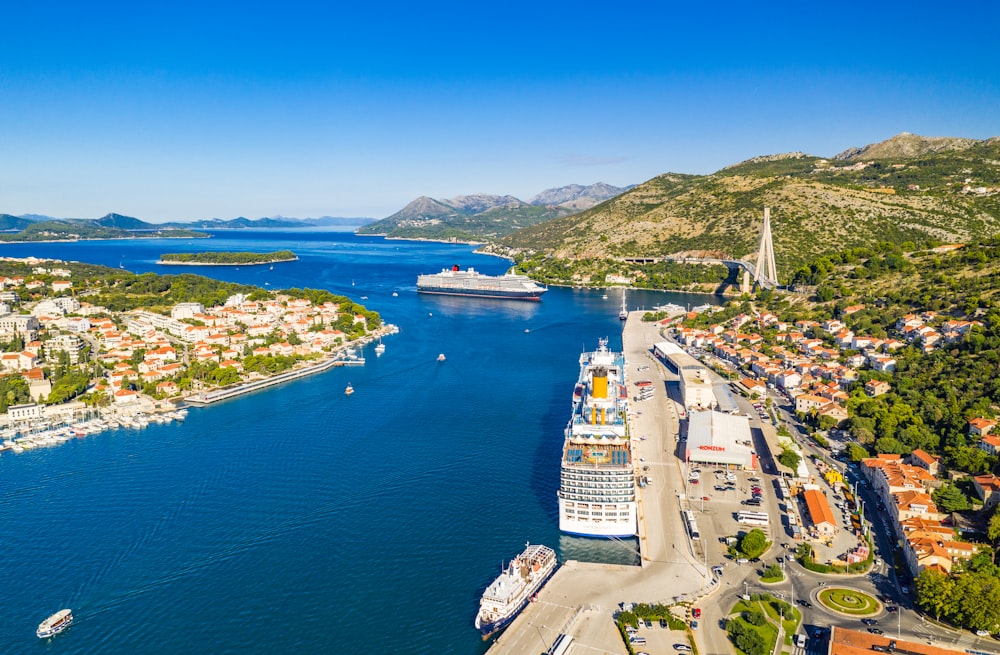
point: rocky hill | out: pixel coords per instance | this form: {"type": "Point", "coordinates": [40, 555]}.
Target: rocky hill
{"type": "Point", "coordinates": [481, 217]}
{"type": "Point", "coordinates": [907, 188]}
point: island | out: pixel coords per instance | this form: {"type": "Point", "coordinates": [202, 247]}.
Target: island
{"type": "Point", "coordinates": [226, 258]}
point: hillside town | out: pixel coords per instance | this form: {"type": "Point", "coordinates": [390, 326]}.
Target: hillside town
{"type": "Point", "coordinates": [141, 361]}
{"type": "Point", "coordinates": [815, 367]}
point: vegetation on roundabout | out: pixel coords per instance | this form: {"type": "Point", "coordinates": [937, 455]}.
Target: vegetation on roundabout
{"type": "Point", "coordinates": [849, 601]}
{"type": "Point", "coordinates": [753, 624]}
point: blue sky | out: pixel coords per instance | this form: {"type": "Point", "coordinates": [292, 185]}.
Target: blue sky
{"type": "Point", "coordinates": [181, 111]}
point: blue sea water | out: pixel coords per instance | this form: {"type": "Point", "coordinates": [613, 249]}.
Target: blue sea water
{"type": "Point", "coordinates": [298, 519]}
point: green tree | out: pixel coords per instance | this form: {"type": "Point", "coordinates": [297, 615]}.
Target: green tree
{"type": "Point", "coordinates": [950, 499]}
{"type": "Point", "coordinates": [856, 453]}
{"type": "Point", "coordinates": [789, 458]}
{"type": "Point", "coordinates": [934, 592]}
{"type": "Point", "coordinates": [753, 544]}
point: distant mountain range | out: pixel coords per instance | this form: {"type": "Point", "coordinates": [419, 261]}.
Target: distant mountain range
{"type": "Point", "coordinates": [908, 188]}
{"type": "Point", "coordinates": [35, 227]}
{"type": "Point", "coordinates": [482, 216]}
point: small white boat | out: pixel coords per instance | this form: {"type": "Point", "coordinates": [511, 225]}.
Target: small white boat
{"type": "Point", "coordinates": [380, 348]}
{"type": "Point", "coordinates": [441, 357]}
{"type": "Point", "coordinates": [395, 295]}
{"type": "Point", "coordinates": [349, 390]}
{"type": "Point", "coordinates": [54, 624]}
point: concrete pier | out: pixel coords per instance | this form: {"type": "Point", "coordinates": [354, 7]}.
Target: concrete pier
{"type": "Point", "coordinates": [581, 598]}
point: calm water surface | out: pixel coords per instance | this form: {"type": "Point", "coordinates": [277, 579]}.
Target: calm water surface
{"type": "Point", "coordinates": [298, 519]}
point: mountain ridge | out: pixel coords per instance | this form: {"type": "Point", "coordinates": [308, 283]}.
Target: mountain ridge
{"type": "Point", "coordinates": [483, 216]}
{"type": "Point", "coordinates": [949, 191]}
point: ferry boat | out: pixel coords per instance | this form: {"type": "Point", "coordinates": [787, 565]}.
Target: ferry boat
{"type": "Point", "coordinates": [597, 474]}
{"type": "Point", "coordinates": [54, 624]}
{"type": "Point", "coordinates": [454, 282]}
{"type": "Point", "coordinates": [516, 585]}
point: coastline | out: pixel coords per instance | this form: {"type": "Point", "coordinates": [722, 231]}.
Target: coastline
{"type": "Point", "coordinates": [161, 262]}
{"type": "Point", "coordinates": [335, 359]}
{"type": "Point", "coordinates": [135, 238]}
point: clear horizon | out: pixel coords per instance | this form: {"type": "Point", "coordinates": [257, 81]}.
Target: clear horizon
{"type": "Point", "coordinates": [192, 112]}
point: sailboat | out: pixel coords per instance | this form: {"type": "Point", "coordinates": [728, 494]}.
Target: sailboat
{"type": "Point", "coordinates": [380, 348]}
{"type": "Point", "coordinates": [623, 314]}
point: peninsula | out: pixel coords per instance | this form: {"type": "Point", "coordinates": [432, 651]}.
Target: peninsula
{"type": "Point", "coordinates": [226, 258]}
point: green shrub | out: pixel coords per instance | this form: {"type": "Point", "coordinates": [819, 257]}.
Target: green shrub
{"type": "Point", "coordinates": [754, 617]}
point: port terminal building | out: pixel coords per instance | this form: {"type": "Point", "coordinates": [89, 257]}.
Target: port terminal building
{"type": "Point", "coordinates": [719, 439]}
{"type": "Point", "coordinates": [698, 391]}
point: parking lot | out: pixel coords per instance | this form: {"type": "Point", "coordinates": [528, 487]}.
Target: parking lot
{"type": "Point", "coordinates": [717, 496]}
{"type": "Point", "coordinates": [656, 637]}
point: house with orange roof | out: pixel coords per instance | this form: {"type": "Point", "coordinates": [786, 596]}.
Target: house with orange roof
{"type": "Point", "coordinates": [988, 489]}
{"type": "Point", "coordinates": [924, 460]}
{"type": "Point", "coordinates": [854, 642]}
{"type": "Point", "coordinates": [924, 552]}
{"type": "Point", "coordinates": [981, 426]}
{"type": "Point", "coordinates": [911, 503]}
{"type": "Point", "coordinates": [807, 402]}
{"type": "Point", "coordinates": [168, 388]}
{"type": "Point", "coordinates": [126, 397]}
{"type": "Point", "coordinates": [877, 387]}
{"type": "Point", "coordinates": [821, 518]}
{"type": "Point", "coordinates": [990, 443]}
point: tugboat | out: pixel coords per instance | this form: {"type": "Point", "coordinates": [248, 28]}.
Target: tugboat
{"type": "Point", "coordinates": [54, 624]}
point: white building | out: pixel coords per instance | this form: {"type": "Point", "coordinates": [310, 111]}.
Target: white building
{"type": "Point", "coordinates": [716, 439]}
{"type": "Point", "coordinates": [696, 385]}
{"type": "Point", "coordinates": [186, 310]}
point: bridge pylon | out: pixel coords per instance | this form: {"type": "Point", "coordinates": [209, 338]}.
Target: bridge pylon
{"type": "Point", "coordinates": [765, 270]}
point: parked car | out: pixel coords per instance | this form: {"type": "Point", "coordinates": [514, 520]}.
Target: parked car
{"type": "Point", "coordinates": [696, 612]}
{"type": "Point", "coordinates": [682, 647]}
{"type": "Point", "coordinates": [982, 633]}
{"type": "Point", "coordinates": [694, 625]}
{"type": "Point", "coordinates": [663, 623]}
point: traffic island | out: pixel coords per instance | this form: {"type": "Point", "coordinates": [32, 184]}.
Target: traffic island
{"type": "Point", "coordinates": [849, 601]}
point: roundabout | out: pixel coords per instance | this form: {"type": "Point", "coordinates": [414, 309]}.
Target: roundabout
{"type": "Point", "coordinates": [849, 601]}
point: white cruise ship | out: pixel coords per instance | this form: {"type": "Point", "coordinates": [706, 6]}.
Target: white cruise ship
{"type": "Point", "coordinates": [597, 475]}
{"type": "Point", "coordinates": [515, 587]}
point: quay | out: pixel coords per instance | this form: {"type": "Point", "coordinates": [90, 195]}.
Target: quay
{"type": "Point", "coordinates": [581, 598]}
{"type": "Point", "coordinates": [344, 357]}
{"type": "Point", "coordinates": [209, 397]}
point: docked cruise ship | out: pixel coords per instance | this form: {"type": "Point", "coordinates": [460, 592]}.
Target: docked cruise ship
{"type": "Point", "coordinates": [597, 476]}
{"type": "Point", "coordinates": [514, 587]}
{"type": "Point", "coordinates": [455, 282]}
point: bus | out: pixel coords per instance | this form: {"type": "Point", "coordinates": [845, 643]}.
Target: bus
{"type": "Point", "coordinates": [692, 525]}
{"type": "Point", "coordinates": [753, 518]}
{"type": "Point", "coordinates": [561, 645]}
